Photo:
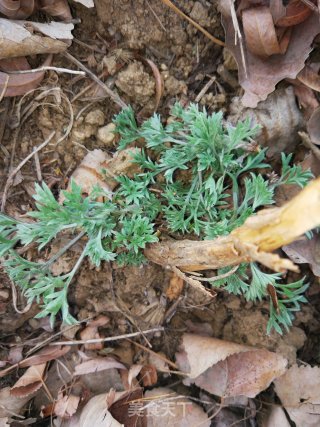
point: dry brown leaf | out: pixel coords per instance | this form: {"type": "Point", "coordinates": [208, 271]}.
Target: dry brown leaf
{"type": "Point", "coordinates": [299, 392]}
{"type": "Point", "coordinates": [306, 99]}
{"type": "Point", "coordinates": [306, 251]}
{"type": "Point", "coordinates": [260, 33]}
{"type": "Point", "coordinates": [175, 288]}
{"type": "Point", "coordinates": [66, 406]}
{"type": "Point", "coordinates": [310, 78]}
{"type": "Point", "coordinates": [279, 119]}
{"type": "Point", "coordinates": [53, 29]}
{"type": "Point", "coordinates": [167, 408]}
{"type": "Point", "coordinates": [17, 9]}
{"type": "Point", "coordinates": [122, 408]}
{"type": "Point", "coordinates": [261, 75]}
{"type": "Point", "coordinates": [19, 84]}
{"type": "Point", "coordinates": [91, 332]}
{"type": "Point", "coordinates": [228, 369]}
{"type": "Point", "coordinates": [148, 375]}
{"type": "Point", "coordinates": [30, 381]}
{"type": "Point", "coordinates": [296, 12]}
{"type": "Point", "coordinates": [45, 355]}
{"type": "Point", "coordinates": [10, 404]}
{"type": "Point", "coordinates": [97, 411]}
{"type": "Point", "coordinates": [96, 365]}
{"type": "Point", "coordinates": [56, 8]}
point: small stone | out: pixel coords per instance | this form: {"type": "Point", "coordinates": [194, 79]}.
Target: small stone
{"type": "Point", "coordinates": [95, 117]}
{"type": "Point", "coordinates": [4, 294]}
{"type": "Point", "coordinates": [106, 135]}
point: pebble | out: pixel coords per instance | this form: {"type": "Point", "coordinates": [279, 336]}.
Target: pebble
{"type": "Point", "coordinates": [106, 135]}
{"type": "Point", "coordinates": [95, 117]}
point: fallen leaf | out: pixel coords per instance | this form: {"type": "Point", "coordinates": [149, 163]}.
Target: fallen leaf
{"type": "Point", "coordinates": [279, 119]}
{"type": "Point", "coordinates": [45, 355]}
{"type": "Point", "coordinates": [260, 32]}
{"type": "Point", "coordinates": [227, 369]}
{"type": "Point", "coordinates": [10, 404]}
{"type": "Point", "coordinates": [66, 406]}
{"type": "Point", "coordinates": [148, 375]}
{"type": "Point", "coordinates": [299, 392]}
{"type": "Point", "coordinates": [56, 8]}
{"type": "Point", "coordinates": [30, 382]}
{"type": "Point", "coordinates": [296, 12]}
{"type": "Point", "coordinates": [306, 251]}
{"type": "Point", "coordinates": [96, 413]}
{"type": "Point", "coordinates": [166, 408]}
{"type": "Point", "coordinates": [306, 99]}
{"type": "Point", "coordinates": [17, 9]}
{"type": "Point", "coordinates": [261, 75]}
{"type": "Point", "coordinates": [96, 365]}
{"type": "Point", "coordinates": [91, 332]}
{"type": "Point", "coordinates": [121, 408]}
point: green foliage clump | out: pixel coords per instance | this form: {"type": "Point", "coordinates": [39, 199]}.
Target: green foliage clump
{"type": "Point", "coordinates": [198, 176]}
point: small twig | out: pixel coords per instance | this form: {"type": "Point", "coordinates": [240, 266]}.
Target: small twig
{"type": "Point", "coordinates": [216, 278]}
{"type": "Point", "coordinates": [239, 35]}
{"type": "Point", "coordinates": [115, 97]}
{"type": "Point", "coordinates": [198, 27]}
{"type": "Point", "coordinates": [15, 298]}
{"type": "Point", "coordinates": [20, 165]}
{"type": "Point", "coordinates": [108, 339]}
{"type": "Point", "coordinates": [63, 250]}
{"type": "Point", "coordinates": [38, 167]}
{"type": "Point", "coordinates": [156, 16]}
{"type": "Point", "coordinates": [193, 282]}
{"type": "Point", "coordinates": [159, 356]}
{"type": "Point", "coordinates": [4, 88]}
{"type": "Point", "coordinates": [205, 88]}
{"type": "Point", "coordinates": [48, 68]}
{"type": "Point", "coordinates": [309, 144]}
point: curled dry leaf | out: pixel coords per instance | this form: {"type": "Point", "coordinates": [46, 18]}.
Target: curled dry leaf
{"type": "Point", "coordinates": [296, 12]}
{"type": "Point", "coordinates": [19, 84]}
{"type": "Point", "coordinates": [261, 75]}
{"type": "Point", "coordinates": [66, 406]}
{"type": "Point", "coordinates": [310, 78]}
{"type": "Point", "coordinates": [96, 365]}
{"type": "Point", "coordinates": [167, 408]}
{"type": "Point", "coordinates": [227, 369]}
{"type": "Point", "coordinates": [148, 375]}
{"type": "Point", "coordinates": [30, 382]}
{"type": "Point", "coordinates": [299, 391]}
{"type": "Point", "coordinates": [260, 32]}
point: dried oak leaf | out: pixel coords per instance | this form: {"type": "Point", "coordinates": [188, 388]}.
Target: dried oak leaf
{"type": "Point", "coordinates": [227, 369]}
{"type": "Point", "coordinates": [262, 74]}
{"type": "Point", "coordinates": [30, 382]}
{"type": "Point", "coordinates": [299, 392]}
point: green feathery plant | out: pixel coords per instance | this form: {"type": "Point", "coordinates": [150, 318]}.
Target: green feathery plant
{"type": "Point", "coordinates": [198, 176]}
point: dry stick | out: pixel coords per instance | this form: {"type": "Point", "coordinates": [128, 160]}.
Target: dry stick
{"type": "Point", "coordinates": [20, 165]}
{"type": "Point", "coordinates": [198, 27]}
{"type": "Point", "coordinates": [205, 89]}
{"type": "Point", "coordinates": [48, 68]}
{"type": "Point", "coordinates": [100, 340]}
{"type": "Point", "coordinates": [260, 234]}
{"type": "Point", "coordinates": [116, 98]}
{"type": "Point", "coordinates": [159, 356]}
{"type": "Point", "coordinates": [156, 16]}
